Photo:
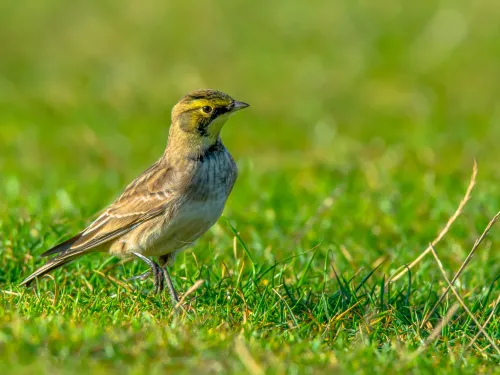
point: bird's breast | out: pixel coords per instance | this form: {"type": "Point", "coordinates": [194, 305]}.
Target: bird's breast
{"type": "Point", "coordinates": [213, 177]}
{"type": "Point", "coordinates": [200, 206]}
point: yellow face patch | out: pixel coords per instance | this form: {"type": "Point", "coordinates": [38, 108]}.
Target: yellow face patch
{"type": "Point", "coordinates": [198, 117]}
{"type": "Point", "coordinates": [203, 114]}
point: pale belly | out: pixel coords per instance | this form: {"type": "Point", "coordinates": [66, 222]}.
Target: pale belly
{"type": "Point", "coordinates": [190, 222]}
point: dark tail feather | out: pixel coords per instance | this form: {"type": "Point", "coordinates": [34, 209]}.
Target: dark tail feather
{"type": "Point", "coordinates": [50, 266]}
{"type": "Point", "coordinates": [62, 247]}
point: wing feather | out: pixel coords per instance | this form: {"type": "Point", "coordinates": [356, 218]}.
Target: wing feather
{"type": "Point", "coordinates": [147, 197]}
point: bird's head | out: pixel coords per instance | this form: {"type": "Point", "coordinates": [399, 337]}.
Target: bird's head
{"type": "Point", "coordinates": [198, 117]}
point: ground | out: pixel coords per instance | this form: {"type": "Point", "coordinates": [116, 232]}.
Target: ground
{"type": "Point", "coordinates": [358, 147]}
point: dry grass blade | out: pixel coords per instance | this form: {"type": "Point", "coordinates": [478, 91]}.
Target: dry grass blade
{"type": "Point", "coordinates": [192, 289]}
{"type": "Point", "coordinates": [492, 314]}
{"type": "Point", "coordinates": [462, 267]}
{"type": "Point", "coordinates": [11, 293]}
{"type": "Point", "coordinates": [341, 315]}
{"type": "Point", "coordinates": [117, 282]}
{"type": "Point", "coordinates": [443, 231]}
{"type": "Point", "coordinates": [246, 358]}
{"type": "Point", "coordinates": [438, 329]}
{"type": "Point", "coordinates": [460, 300]}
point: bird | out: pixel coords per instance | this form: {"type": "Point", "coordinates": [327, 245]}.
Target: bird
{"type": "Point", "coordinates": [172, 203]}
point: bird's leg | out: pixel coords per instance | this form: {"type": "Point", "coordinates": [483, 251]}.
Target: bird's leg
{"type": "Point", "coordinates": [164, 262]}
{"type": "Point", "coordinates": [170, 287]}
{"type": "Point", "coordinates": [158, 275]}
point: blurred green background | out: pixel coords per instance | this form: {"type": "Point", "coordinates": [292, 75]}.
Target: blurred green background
{"type": "Point", "coordinates": [390, 102]}
{"type": "Point", "coordinates": [381, 98]}
{"type": "Point", "coordinates": [384, 103]}
{"type": "Point", "coordinates": [324, 77]}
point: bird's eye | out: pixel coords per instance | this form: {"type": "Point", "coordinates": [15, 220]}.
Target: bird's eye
{"type": "Point", "coordinates": [207, 109]}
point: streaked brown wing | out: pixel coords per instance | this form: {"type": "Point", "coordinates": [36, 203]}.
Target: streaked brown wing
{"type": "Point", "coordinates": [147, 197]}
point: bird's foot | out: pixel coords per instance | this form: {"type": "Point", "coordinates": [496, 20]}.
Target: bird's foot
{"type": "Point", "coordinates": [143, 276]}
{"type": "Point", "coordinates": [160, 276]}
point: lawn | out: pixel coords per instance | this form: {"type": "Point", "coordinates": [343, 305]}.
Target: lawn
{"type": "Point", "coordinates": [366, 119]}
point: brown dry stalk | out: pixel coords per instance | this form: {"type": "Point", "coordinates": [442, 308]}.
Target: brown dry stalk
{"type": "Point", "coordinates": [495, 305]}
{"type": "Point", "coordinates": [441, 234]}
{"type": "Point", "coordinates": [462, 267]}
{"type": "Point", "coordinates": [193, 288]}
{"type": "Point", "coordinates": [481, 329]}
{"type": "Point", "coordinates": [436, 332]}
{"type": "Point", "coordinates": [246, 358]}
{"type": "Point", "coordinates": [111, 278]}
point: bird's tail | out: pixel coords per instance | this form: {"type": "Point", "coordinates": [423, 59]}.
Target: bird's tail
{"type": "Point", "coordinates": [50, 266]}
{"type": "Point", "coordinates": [65, 253]}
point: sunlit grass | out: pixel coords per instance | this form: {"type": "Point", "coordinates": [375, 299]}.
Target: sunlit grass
{"type": "Point", "coordinates": [364, 124]}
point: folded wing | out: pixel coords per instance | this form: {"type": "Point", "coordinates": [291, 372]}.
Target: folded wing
{"type": "Point", "coordinates": [146, 198]}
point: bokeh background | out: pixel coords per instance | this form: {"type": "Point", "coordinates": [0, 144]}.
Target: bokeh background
{"type": "Point", "coordinates": [388, 102]}
{"type": "Point", "coordinates": [364, 123]}
{"type": "Point", "coordinates": [379, 99]}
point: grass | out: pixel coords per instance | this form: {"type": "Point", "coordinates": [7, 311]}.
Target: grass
{"type": "Point", "coordinates": [364, 126]}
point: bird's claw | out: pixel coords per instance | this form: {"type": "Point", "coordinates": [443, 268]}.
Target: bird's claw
{"type": "Point", "coordinates": [142, 276]}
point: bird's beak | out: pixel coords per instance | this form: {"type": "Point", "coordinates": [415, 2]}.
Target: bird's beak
{"type": "Point", "coordinates": [236, 106]}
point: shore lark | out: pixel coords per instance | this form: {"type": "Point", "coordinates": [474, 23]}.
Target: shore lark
{"type": "Point", "coordinates": [171, 204]}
